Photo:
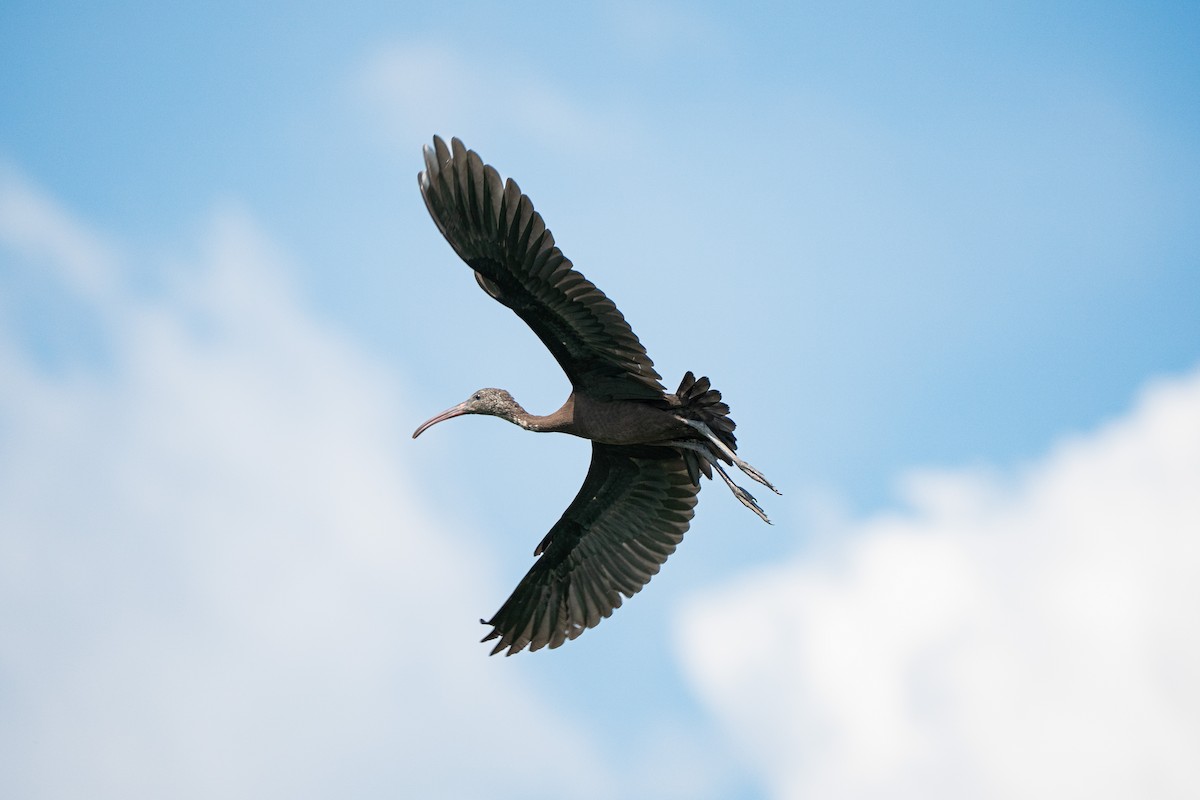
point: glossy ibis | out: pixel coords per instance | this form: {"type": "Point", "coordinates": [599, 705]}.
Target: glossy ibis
{"type": "Point", "coordinates": [649, 447]}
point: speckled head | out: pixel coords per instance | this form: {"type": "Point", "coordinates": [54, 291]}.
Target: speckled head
{"type": "Point", "coordinates": [492, 402]}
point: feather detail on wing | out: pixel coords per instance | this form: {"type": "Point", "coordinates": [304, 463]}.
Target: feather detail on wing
{"type": "Point", "coordinates": [494, 228]}
{"type": "Point", "coordinates": [629, 516]}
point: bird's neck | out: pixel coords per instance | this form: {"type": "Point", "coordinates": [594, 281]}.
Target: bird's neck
{"type": "Point", "coordinates": [560, 421]}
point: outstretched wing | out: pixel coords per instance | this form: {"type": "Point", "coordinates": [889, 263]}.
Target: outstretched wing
{"type": "Point", "coordinates": [634, 507]}
{"type": "Point", "coordinates": [494, 228]}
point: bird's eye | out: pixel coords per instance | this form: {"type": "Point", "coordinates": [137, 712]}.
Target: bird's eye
{"type": "Point", "coordinates": [477, 396]}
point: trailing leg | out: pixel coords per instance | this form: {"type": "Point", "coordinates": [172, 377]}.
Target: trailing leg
{"type": "Point", "coordinates": [730, 456]}
{"type": "Point", "coordinates": [708, 457]}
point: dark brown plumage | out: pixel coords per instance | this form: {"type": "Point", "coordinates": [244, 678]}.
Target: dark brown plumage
{"type": "Point", "coordinates": [649, 447]}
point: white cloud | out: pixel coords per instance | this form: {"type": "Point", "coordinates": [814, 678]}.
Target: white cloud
{"type": "Point", "coordinates": [419, 89]}
{"type": "Point", "coordinates": [216, 578]}
{"type": "Point", "coordinates": [34, 227]}
{"type": "Point", "coordinates": [1027, 637]}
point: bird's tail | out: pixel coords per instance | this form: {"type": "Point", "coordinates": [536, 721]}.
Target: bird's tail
{"type": "Point", "coordinates": [697, 400]}
{"type": "Point", "coordinates": [699, 405]}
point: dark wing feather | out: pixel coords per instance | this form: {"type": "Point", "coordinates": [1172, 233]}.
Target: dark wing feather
{"type": "Point", "coordinates": [494, 228]}
{"type": "Point", "coordinates": [632, 511]}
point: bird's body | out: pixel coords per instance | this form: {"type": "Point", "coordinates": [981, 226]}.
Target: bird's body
{"type": "Point", "coordinates": [624, 422]}
{"type": "Point", "coordinates": [649, 448]}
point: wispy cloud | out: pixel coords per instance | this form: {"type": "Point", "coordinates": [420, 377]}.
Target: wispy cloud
{"type": "Point", "coordinates": [1023, 636]}
{"type": "Point", "coordinates": [33, 227]}
{"type": "Point", "coordinates": [216, 578]}
{"type": "Point", "coordinates": [421, 88]}
{"type": "Point", "coordinates": [652, 31]}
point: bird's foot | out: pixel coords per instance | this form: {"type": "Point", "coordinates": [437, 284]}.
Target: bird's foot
{"type": "Point", "coordinates": [741, 494]}
{"type": "Point", "coordinates": [731, 456]}
{"type": "Point", "coordinates": [755, 475]}
{"type": "Point", "coordinates": [710, 458]}
{"type": "Point", "coordinates": [749, 502]}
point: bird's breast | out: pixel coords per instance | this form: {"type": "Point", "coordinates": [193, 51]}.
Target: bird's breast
{"type": "Point", "coordinates": [624, 422]}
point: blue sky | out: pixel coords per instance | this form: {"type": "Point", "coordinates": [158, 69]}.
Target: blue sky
{"type": "Point", "coordinates": [942, 260]}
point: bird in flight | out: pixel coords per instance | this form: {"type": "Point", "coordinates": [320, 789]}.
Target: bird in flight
{"type": "Point", "coordinates": [649, 447]}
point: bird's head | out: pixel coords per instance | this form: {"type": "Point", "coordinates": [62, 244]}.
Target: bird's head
{"type": "Point", "coordinates": [493, 402]}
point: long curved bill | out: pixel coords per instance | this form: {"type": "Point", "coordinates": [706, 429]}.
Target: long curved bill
{"type": "Point", "coordinates": [449, 413]}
